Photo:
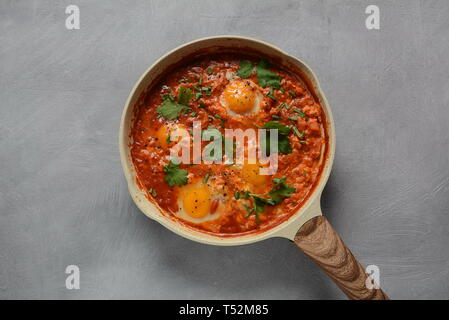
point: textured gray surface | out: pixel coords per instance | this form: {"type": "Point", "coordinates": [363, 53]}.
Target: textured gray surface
{"type": "Point", "coordinates": [63, 198]}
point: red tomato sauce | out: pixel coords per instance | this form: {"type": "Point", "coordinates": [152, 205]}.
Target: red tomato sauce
{"type": "Point", "coordinates": [208, 77]}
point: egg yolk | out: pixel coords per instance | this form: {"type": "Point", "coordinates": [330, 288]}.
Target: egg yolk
{"type": "Point", "coordinates": [163, 133]}
{"type": "Point", "coordinates": [196, 202]}
{"type": "Point", "coordinates": [250, 172]}
{"type": "Point", "coordinates": [239, 96]}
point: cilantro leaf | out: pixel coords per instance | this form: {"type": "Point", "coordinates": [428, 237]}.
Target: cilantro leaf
{"type": "Point", "coordinates": [283, 145]}
{"type": "Point", "coordinates": [170, 109]}
{"type": "Point", "coordinates": [245, 70]}
{"type": "Point", "coordinates": [281, 190]}
{"type": "Point", "coordinates": [265, 77]}
{"type": "Point", "coordinates": [175, 176]}
{"type": "Point", "coordinates": [276, 195]}
{"type": "Point", "coordinates": [283, 129]}
{"type": "Point", "coordinates": [184, 95]}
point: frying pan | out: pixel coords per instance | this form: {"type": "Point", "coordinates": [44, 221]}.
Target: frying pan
{"type": "Point", "coordinates": [308, 229]}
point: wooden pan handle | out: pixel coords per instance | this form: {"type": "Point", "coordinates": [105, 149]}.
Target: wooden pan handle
{"type": "Point", "coordinates": [318, 240]}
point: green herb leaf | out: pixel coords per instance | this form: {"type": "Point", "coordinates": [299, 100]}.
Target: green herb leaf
{"type": "Point", "coordinates": [276, 195]}
{"type": "Point", "coordinates": [206, 177]}
{"type": "Point", "coordinates": [301, 114]}
{"type": "Point", "coordinates": [175, 176]}
{"type": "Point", "coordinates": [284, 146]}
{"type": "Point", "coordinates": [292, 93]}
{"type": "Point", "coordinates": [245, 70]}
{"type": "Point", "coordinates": [299, 134]}
{"type": "Point", "coordinates": [184, 95]}
{"type": "Point", "coordinates": [207, 90]}
{"type": "Point", "coordinates": [170, 109]}
{"type": "Point", "coordinates": [265, 77]}
{"type": "Point", "coordinates": [168, 96]}
{"type": "Point", "coordinates": [283, 141]}
{"type": "Point", "coordinates": [210, 71]}
{"type": "Point", "coordinates": [271, 95]}
{"type": "Point", "coordinates": [283, 129]}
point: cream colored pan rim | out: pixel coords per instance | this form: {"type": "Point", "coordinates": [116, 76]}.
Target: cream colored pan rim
{"type": "Point", "coordinates": [286, 229]}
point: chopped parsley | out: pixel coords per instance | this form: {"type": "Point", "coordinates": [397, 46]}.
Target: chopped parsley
{"type": "Point", "coordinates": [292, 93]}
{"type": "Point", "coordinates": [284, 105]}
{"type": "Point", "coordinates": [184, 95]}
{"type": "Point", "coordinates": [206, 177]}
{"type": "Point", "coordinates": [299, 134]}
{"type": "Point", "coordinates": [300, 112]}
{"type": "Point", "coordinates": [210, 71]}
{"type": "Point", "coordinates": [270, 94]}
{"type": "Point", "coordinates": [207, 90]}
{"type": "Point", "coordinates": [175, 176]}
{"type": "Point", "coordinates": [168, 96]}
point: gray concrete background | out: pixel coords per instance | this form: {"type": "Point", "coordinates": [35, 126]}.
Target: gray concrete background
{"type": "Point", "coordinates": [63, 197]}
